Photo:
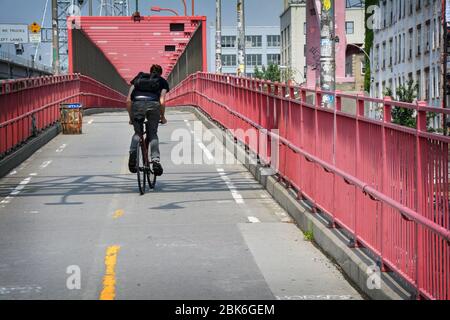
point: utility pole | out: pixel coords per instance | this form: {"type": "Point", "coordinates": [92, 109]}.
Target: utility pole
{"type": "Point", "coordinates": [90, 7]}
{"type": "Point", "coordinates": [444, 55]}
{"type": "Point", "coordinates": [241, 37]}
{"type": "Point", "coordinates": [218, 36]}
{"type": "Point", "coordinates": [55, 42]}
{"type": "Point", "coordinates": [327, 52]}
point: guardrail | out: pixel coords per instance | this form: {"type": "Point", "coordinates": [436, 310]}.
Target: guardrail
{"type": "Point", "coordinates": [28, 106]}
{"type": "Point", "coordinates": [5, 56]}
{"type": "Point", "coordinates": [386, 185]}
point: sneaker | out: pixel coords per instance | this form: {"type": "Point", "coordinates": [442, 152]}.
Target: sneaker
{"type": "Point", "coordinates": [132, 162]}
{"type": "Point", "coordinates": [157, 169]}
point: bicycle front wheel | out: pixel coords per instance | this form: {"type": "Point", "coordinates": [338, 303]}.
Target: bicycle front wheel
{"type": "Point", "coordinates": [151, 178]}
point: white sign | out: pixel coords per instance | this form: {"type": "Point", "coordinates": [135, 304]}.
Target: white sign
{"type": "Point", "coordinates": [14, 33]}
{"type": "Point", "coordinates": [35, 37]}
{"type": "Point", "coordinates": [447, 11]}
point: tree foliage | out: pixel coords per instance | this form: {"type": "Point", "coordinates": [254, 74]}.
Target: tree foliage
{"type": "Point", "coordinates": [272, 73]}
{"type": "Point", "coordinates": [368, 42]}
{"type": "Point", "coordinates": [405, 93]}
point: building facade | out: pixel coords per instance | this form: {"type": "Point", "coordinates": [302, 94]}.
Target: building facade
{"type": "Point", "coordinates": [262, 48]}
{"type": "Point", "coordinates": [407, 46]}
{"type": "Point", "coordinates": [294, 32]}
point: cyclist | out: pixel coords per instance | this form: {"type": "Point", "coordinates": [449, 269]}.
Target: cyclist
{"type": "Point", "coordinates": [146, 99]}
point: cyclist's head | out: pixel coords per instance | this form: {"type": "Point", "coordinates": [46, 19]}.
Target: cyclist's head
{"type": "Point", "coordinates": [156, 68]}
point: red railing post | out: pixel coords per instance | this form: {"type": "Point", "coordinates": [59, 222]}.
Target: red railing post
{"type": "Point", "coordinates": [421, 126]}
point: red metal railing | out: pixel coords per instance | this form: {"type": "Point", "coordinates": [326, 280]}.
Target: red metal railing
{"type": "Point", "coordinates": [28, 106]}
{"type": "Point", "coordinates": [385, 184]}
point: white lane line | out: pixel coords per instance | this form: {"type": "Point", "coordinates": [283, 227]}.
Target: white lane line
{"type": "Point", "coordinates": [6, 200]}
{"type": "Point", "coordinates": [234, 192]}
{"type": "Point", "coordinates": [13, 173]}
{"type": "Point", "coordinates": [33, 174]}
{"type": "Point", "coordinates": [224, 201]}
{"type": "Point", "coordinates": [206, 151]}
{"type": "Point", "coordinates": [45, 164]}
{"type": "Point", "coordinates": [16, 191]}
{"type": "Point", "coordinates": [253, 220]}
{"type": "Point", "coordinates": [91, 121]}
{"type": "Point", "coordinates": [186, 120]}
{"type": "Point", "coordinates": [61, 148]}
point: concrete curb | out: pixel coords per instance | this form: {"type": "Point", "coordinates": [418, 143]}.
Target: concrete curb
{"type": "Point", "coordinates": [27, 150]}
{"type": "Point", "coordinates": [353, 262]}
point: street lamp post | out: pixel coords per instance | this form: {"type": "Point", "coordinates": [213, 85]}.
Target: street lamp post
{"type": "Point", "coordinates": [219, 36]}
{"type": "Point", "coordinates": [159, 9]}
{"type": "Point", "coordinates": [241, 37]}
{"type": "Point", "coordinates": [55, 38]}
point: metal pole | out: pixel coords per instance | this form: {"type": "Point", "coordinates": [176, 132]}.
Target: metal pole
{"type": "Point", "coordinates": [444, 93]}
{"type": "Point", "coordinates": [90, 7]}
{"type": "Point", "coordinates": [218, 36]}
{"type": "Point", "coordinates": [241, 37]}
{"type": "Point", "coordinates": [193, 7]}
{"type": "Point", "coordinates": [185, 7]}
{"type": "Point", "coordinates": [137, 5]}
{"type": "Point", "coordinates": [327, 53]}
{"type": "Point", "coordinates": [55, 42]}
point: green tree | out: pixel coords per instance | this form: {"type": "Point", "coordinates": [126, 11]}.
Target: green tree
{"type": "Point", "coordinates": [272, 73]}
{"type": "Point", "coordinates": [408, 93]}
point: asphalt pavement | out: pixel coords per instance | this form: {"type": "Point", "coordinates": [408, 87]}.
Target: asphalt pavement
{"type": "Point", "coordinates": [73, 226]}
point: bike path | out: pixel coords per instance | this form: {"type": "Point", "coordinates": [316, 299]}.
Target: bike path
{"type": "Point", "coordinates": [207, 232]}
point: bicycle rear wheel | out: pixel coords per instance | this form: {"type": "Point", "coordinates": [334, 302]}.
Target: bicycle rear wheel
{"type": "Point", "coordinates": [151, 178]}
{"type": "Point", "coordinates": [141, 171]}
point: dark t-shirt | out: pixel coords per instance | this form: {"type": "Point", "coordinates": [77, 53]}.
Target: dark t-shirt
{"type": "Point", "coordinates": [153, 96]}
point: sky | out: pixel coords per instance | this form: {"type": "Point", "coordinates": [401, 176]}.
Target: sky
{"type": "Point", "coordinates": [258, 13]}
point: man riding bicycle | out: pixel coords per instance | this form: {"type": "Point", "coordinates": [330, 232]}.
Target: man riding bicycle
{"type": "Point", "coordinates": [146, 99]}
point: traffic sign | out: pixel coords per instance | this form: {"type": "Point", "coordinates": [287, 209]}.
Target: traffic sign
{"type": "Point", "coordinates": [35, 37]}
{"type": "Point", "coordinates": [35, 27]}
{"type": "Point", "coordinates": [13, 33]}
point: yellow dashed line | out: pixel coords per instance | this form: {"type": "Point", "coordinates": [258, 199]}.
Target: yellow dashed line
{"type": "Point", "coordinates": [109, 280]}
{"type": "Point", "coordinates": [118, 213]}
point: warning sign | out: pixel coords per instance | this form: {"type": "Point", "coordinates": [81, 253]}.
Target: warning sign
{"type": "Point", "coordinates": [35, 27]}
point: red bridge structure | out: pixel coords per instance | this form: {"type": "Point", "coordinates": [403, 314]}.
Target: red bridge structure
{"type": "Point", "coordinates": [385, 185]}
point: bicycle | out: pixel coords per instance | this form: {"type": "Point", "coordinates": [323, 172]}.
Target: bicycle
{"type": "Point", "coordinates": [145, 174]}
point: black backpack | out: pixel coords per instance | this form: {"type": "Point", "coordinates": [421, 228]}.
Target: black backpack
{"type": "Point", "coordinates": [147, 82]}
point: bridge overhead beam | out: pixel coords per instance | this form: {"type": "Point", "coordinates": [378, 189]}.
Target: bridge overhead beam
{"type": "Point", "coordinates": [131, 45]}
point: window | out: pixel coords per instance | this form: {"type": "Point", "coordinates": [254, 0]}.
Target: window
{"type": "Point", "coordinates": [427, 84]}
{"type": "Point", "coordinates": [427, 36]}
{"type": "Point", "coordinates": [253, 41]}
{"type": "Point", "coordinates": [177, 27]}
{"type": "Point", "coordinates": [229, 60]}
{"type": "Point", "coordinates": [273, 59]}
{"type": "Point", "coordinates": [254, 59]}
{"type": "Point", "coordinates": [273, 41]}
{"type": "Point", "coordinates": [349, 27]}
{"type": "Point", "coordinates": [410, 53]}
{"type": "Point", "coordinates": [228, 41]}
{"type": "Point", "coordinates": [391, 47]}
{"type": "Point", "coordinates": [376, 57]}
{"type": "Point", "coordinates": [419, 85]}
{"type": "Point", "coordinates": [419, 40]}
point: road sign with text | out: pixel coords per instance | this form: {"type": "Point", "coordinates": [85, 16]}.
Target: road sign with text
{"type": "Point", "coordinates": [14, 33]}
